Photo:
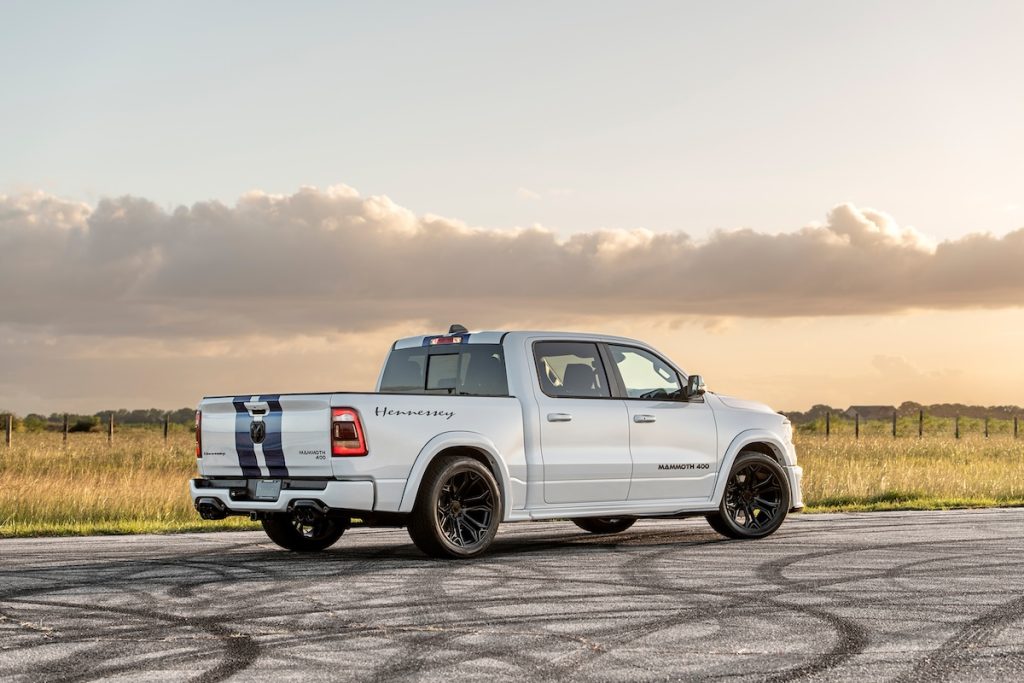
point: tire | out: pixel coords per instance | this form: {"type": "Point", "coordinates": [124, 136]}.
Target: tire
{"type": "Point", "coordinates": [284, 530]}
{"type": "Point", "coordinates": [756, 498]}
{"type": "Point", "coordinates": [604, 525]}
{"type": "Point", "coordinates": [457, 509]}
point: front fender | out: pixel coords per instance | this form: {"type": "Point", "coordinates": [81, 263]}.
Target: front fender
{"type": "Point", "coordinates": [447, 440]}
{"type": "Point", "coordinates": [784, 453]}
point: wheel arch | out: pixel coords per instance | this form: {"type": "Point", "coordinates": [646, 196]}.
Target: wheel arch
{"type": "Point", "coordinates": [469, 444]}
{"type": "Point", "coordinates": [758, 440]}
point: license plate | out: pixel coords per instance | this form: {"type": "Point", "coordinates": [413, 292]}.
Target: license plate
{"type": "Point", "coordinates": [268, 489]}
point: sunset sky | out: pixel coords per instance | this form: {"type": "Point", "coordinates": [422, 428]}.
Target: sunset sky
{"type": "Point", "coordinates": [805, 202]}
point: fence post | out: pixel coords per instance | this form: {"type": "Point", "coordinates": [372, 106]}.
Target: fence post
{"type": "Point", "coordinates": [920, 423]}
{"type": "Point", "coordinates": [8, 428]}
{"type": "Point", "coordinates": [828, 424]}
{"type": "Point", "coordinates": [110, 428]}
{"type": "Point", "coordinates": [1015, 426]}
{"type": "Point", "coordinates": [167, 419]}
{"type": "Point", "coordinates": [856, 425]}
{"type": "Point", "coordinates": [65, 429]}
{"type": "Point", "coordinates": [986, 426]}
{"type": "Point", "coordinates": [956, 423]}
{"type": "Point", "coordinates": [894, 424]}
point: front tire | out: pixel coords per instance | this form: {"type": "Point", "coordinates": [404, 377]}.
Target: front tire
{"type": "Point", "coordinates": [291, 534]}
{"type": "Point", "coordinates": [457, 509]}
{"type": "Point", "coordinates": [604, 525]}
{"type": "Point", "coordinates": [756, 498]}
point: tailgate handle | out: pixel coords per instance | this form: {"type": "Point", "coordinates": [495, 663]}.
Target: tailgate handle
{"type": "Point", "coordinates": [559, 417]}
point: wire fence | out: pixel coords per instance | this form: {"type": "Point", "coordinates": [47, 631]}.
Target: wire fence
{"type": "Point", "coordinates": [919, 425]}
{"type": "Point", "coordinates": [829, 425]}
{"type": "Point", "coordinates": [108, 424]}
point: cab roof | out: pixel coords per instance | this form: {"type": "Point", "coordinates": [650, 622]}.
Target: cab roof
{"type": "Point", "coordinates": [498, 336]}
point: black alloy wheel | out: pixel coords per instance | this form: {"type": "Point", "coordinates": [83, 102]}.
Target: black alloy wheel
{"type": "Point", "coordinates": [756, 498]}
{"type": "Point", "coordinates": [457, 510]}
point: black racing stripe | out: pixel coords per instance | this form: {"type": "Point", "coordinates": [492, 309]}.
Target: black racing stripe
{"type": "Point", "coordinates": [273, 449]}
{"type": "Point", "coordinates": [243, 441]}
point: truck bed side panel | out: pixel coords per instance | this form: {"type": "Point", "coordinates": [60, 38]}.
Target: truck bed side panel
{"type": "Point", "coordinates": [399, 426]}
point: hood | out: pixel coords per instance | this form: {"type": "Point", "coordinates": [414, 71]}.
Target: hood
{"type": "Point", "coordinates": [743, 404]}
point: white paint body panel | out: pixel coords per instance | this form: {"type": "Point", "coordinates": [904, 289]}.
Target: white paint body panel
{"type": "Point", "coordinates": [600, 463]}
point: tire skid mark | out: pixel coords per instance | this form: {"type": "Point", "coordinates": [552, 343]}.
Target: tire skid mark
{"type": "Point", "coordinates": [239, 650]}
{"type": "Point", "coordinates": [962, 646]}
{"type": "Point", "coordinates": [382, 594]}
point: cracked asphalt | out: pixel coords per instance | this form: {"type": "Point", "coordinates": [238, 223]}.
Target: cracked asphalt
{"type": "Point", "coordinates": [913, 596]}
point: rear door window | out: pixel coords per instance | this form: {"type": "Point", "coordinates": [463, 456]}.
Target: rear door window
{"type": "Point", "coordinates": [571, 370]}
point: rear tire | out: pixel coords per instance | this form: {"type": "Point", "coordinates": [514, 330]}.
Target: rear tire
{"type": "Point", "coordinates": [457, 509]}
{"type": "Point", "coordinates": [756, 498]}
{"type": "Point", "coordinates": [604, 525]}
{"type": "Point", "coordinates": [284, 530]}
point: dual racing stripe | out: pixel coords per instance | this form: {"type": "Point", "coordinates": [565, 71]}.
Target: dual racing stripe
{"type": "Point", "coordinates": [243, 441]}
{"type": "Point", "coordinates": [273, 451]}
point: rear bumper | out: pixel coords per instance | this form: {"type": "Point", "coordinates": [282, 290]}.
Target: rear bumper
{"type": "Point", "coordinates": [795, 474]}
{"type": "Point", "coordinates": [336, 495]}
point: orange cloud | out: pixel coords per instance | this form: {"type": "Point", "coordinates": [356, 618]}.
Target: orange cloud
{"type": "Point", "coordinates": [319, 261]}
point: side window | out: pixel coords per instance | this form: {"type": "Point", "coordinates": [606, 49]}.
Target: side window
{"type": "Point", "coordinates": [644, 374]}
{"type": "Point", "coordinates": [571, 370]}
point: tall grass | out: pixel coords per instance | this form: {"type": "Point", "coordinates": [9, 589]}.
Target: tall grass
{"type": "Point", "coordinates": [932, 472]}
{"type": "Point", "coordinates": [140, 484]}
{"type": "Point", "coordinates": [137, 484]}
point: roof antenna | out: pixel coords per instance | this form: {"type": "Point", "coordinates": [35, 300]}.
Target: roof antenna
{"type": "Point", "coordinates": [457, 329]}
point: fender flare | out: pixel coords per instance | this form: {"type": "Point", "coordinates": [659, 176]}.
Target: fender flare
{"type": "Point", "coordinates": [448, 440]}
{"type": "Point", "coordinates": [739, 442]}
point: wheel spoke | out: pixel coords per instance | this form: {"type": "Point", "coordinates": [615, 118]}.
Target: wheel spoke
{"type": "Point", "coordinates": [752, 521]}
{"type": "Point", "coordinates": [478, 497]}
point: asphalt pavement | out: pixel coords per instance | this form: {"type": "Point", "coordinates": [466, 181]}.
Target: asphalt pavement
{"type": "Point", "coordinates": [913, 596]}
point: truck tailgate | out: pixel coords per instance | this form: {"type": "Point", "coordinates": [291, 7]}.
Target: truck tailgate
{"type": "Point", "coordinates": [271, 435]}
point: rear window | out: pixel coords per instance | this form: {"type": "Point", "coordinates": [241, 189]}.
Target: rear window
{"type": "Point", "coordinates": [469, 370]}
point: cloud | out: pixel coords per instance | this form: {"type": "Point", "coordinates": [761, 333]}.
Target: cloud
{"type": "Point", "coordinates": [328, 261]}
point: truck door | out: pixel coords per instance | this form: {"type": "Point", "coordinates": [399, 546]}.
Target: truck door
{"type": "Point", "coordinates": [674, 443]}
{"type": "Point", "coordinates": [584, 432]}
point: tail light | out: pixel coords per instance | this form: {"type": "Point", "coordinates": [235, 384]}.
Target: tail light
{"type": "Point", "coordinates": [199, 434]}
{"type": "Point", "coordinates": [347, 438]}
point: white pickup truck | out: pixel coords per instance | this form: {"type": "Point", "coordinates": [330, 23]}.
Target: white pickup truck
{"type": "Point", "coordinates": [467, 430]}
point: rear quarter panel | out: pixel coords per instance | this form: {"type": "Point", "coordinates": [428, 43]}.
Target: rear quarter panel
{"type": "Point", "coordinates": [404, 431]}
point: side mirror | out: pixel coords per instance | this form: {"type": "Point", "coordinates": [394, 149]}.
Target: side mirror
{"type": "Point", "coordinates": [694, 387]}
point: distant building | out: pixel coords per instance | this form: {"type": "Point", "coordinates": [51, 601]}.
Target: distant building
{"type": "Point", "coordinates": [870, 412]}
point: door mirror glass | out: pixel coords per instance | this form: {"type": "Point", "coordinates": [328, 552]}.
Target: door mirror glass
{"type": "Point", "coordinates": [694, 387]}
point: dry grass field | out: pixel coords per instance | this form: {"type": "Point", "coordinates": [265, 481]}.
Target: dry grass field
{"type": "Point", "coordinates": [882, 473]}
{"type": "Point", "coordinates": [139, 484]}
{"type": "Point", "coordinates": [136, 485]}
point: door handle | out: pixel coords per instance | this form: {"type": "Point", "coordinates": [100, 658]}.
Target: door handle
{"type": "Point", "coordinates": [559, 417]}
{"type": "Point", "coordinates": [642, 419]}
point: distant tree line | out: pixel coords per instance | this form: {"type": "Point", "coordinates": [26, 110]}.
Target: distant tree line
{"type": "Point", "coordinates": [34, 422]}
{"type": "Point", "coordinates": [906, 409]}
